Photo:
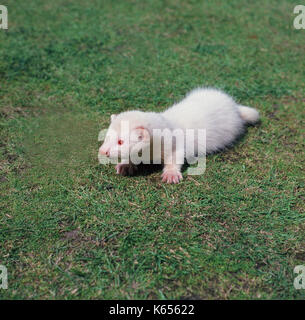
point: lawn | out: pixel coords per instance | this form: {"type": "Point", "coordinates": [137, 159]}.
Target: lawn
{"type": "Point", "coordinates": [70, 228]}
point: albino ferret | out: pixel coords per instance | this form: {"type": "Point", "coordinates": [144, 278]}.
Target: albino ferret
{"type": "Point", "coordinates": [203, 108]}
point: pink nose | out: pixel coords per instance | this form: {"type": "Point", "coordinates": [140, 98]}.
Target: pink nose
{"type": "Point", "coordinates": [104, 152]}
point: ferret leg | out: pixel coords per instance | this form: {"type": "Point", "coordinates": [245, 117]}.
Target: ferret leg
{"type": "Point", "coordinates": [172, 171]}
{"type": "Point", "coordinates": [171, 174]}
{"type": "Point", "coordinates": [126, 169]}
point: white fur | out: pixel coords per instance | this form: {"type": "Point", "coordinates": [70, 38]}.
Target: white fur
{"type": "Point", "coordinates": [202, 108]}
{"type": "Point", "coordinates": [250, 115]}
{"type": "Point", "coordinates": [215, 111]}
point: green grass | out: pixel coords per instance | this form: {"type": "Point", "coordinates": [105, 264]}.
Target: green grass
{"type": "Point", "coordinates": [71, 228]}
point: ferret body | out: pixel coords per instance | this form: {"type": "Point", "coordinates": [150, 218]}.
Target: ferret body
{"type": "Point", "coordinates": [203, 108]}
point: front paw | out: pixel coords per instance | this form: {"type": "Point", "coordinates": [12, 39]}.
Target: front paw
{"type": "Point", "coordinates": [125, 169]}
{"type": "Point", "coordinates": [171, 176]}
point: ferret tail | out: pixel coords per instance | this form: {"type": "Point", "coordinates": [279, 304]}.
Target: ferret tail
{"type": "Point", "coordinates": [250, 115]}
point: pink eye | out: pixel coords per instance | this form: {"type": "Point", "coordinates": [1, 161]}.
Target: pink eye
{"type": "Point", "coordinates": [120, 142]}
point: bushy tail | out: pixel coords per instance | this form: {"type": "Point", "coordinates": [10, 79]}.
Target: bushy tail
{"type": "Point", "coordinates": [250, 115]}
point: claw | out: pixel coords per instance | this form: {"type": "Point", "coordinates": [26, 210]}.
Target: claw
{"type": "Point", "coordinates": [171, 176]}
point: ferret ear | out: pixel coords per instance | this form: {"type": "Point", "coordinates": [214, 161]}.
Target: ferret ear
{"type": "Point", "coordinates": [112, 117]}
{"type": "Point", "coordinates": [142, 134]}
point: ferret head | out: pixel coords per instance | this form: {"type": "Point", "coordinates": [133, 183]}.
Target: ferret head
{"type": "Point", "coordinates": [128, 132]}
